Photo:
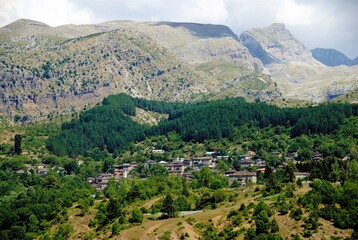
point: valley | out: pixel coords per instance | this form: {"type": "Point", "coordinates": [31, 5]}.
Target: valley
{"type": "Point", "coordinates": [251, 180]}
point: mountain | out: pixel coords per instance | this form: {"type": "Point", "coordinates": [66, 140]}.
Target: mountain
{"type": "Point", "coordinates": [46, 71]}
{"type": "Point", "coordinates": [25, 27]}
{"type": "Point", "coordinates": [275, 44]}
{"type": "Point", "coordinates": [332, 57]}
{"type": "Point", "coordinates": [355, 61]}
{"type": "Point", "coordinates": [53, 71]}
{"type": "Point", "coordinates": [291, 65]}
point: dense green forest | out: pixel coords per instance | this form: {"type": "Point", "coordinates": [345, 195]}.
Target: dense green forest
{"type": "Point", "coordinates": [110, 127]}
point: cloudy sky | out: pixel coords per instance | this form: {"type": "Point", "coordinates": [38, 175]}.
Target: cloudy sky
{"type": "Point", "coordinates": [317, 23]}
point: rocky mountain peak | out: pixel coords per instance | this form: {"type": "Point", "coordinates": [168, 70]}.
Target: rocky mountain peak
{"type": "Point", "coordinates": [275, 44]}
{"type": "Point", "coordinates": [278, 27]}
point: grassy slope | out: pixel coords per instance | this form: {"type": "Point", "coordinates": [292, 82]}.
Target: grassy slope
{"type": "Point", "coordinates": [153, 229]}
{"type": "Point", "coordinates": [148, 117]}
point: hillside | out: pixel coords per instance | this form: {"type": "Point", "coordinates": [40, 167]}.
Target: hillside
{"type": "Point", "coordinates": [55, 71]}
{"type": "Point", "coordinates": [110, 126]}
{"type": "Point", "coordinates": [250, 185]}
{"type": "Point", "coordinates": [49, 71]}
{"type": "Point", "coordinates": [195, 224]}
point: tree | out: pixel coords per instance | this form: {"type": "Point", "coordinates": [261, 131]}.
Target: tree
{"type": "Point", "coordinates": [114, 209]}
{"type": "Point", "coordinates": [274, 226]}
{"type": "Point", "coordinates": [289, 175]}
{"type": "Point", "coordinates": [17, 145]}
{"type": "Point", "coordinates": [116, 228]}
{"type": "Point", "coordinates": [168, 205]}
{"type": "Point", "coordinates": [262, 222]}
{"type": "Point", "coordinates": [250, 234]}
{"type": "Point", "coordinates": [268, 171]}
{"type": "Point", "coordinates": [272, 185]}
{"type": "Point", "coordinates": [71, 167]}
{"type": "Point", "coordinates": [334, 174]}
{"type": "Point", "coordinates": [235, 184]}
{"type": "Point", "coordinates": [304, 153]}
{"type": "Point", "coordinates": [299, 182]}
{"type": "Point", "coordinates": [137, 216]}
{"type": "Point", "coordinates": [64, 231]}
{"type": "Point", "coordinates": [210, 234]}
{"type": "Point", "coordinates": [185, 190]}
{"type": "Point", "coordinates": [108, 165]}
{"type": "Point", "coordinates": [141, 171]}
{"type": "Point", "coordinates": [222, 166]}
{"type": "Point", "coordinates": [204, 177]}
{"type": "Point", "coordinates": [33, 223]}
{"type": "Point", "coordinates": [158, 170]}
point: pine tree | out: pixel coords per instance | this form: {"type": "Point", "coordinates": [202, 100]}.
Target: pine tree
{"type": "Point", "coordinates": [17, 146]}
{"type": "Point", "coordinates": [168, 205]}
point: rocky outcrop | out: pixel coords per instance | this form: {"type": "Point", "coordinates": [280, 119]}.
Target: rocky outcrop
{"type": "Point", "coordinates": [332, 57]}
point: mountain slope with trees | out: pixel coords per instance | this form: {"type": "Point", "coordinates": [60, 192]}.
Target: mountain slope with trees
{"type": "Point", "coordinates": [110, 127]}
{"type": "Point", "coordinates": [61, 204]}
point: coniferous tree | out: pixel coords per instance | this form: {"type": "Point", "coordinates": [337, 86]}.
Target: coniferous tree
{"type": "Point", "coordinates": [17, 145]}
{"type": "Point", "coordinates": [168, 205]}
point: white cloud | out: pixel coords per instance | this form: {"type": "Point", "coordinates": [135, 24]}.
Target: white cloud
{"type": "Point", "coordinates": [319, 23]}
{"type": "Point", "coordinates": [212, 11]}
{"type": "Point", "coordinates": [292, 13]}
{"type": "Point", "coordinates": [53, 13]}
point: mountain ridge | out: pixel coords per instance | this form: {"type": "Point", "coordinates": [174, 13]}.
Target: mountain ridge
{"type": "Point", "coordinates": [65, 69]}
{"type": "Point", "coordinates": [332, 57]}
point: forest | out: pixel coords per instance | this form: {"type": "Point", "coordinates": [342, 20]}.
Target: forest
{"type": "Point", "coordinates": [110, 127]}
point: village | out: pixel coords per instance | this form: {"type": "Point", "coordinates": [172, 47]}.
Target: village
{"type": "Point", "coordinates": [250, 168]}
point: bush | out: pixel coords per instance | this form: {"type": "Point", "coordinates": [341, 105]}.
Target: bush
{"type": "Point", "coordinates": [296, 214]}
{"type": "Point", "coordinates": [166, 235]}
{"type": "Point", "coordinates": [232, 213]}
{"type": "Point", "coordinates": [116, 228]}
{"type": "Point", "coordinates": [137, 216]}
{"type": "Point", "coordinates": [237, 220]}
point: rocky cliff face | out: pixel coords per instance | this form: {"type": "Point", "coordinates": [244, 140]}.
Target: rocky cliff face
{"type": "Point", "coordinates": [47, 71]}
{"type": "Point", "coordinates": [332, 57]}
{"type": "Point", "coordinates": [291, 65]}
{"type": "Point", "coordinates": [275, 44]}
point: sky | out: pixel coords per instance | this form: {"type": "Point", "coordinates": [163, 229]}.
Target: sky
{"type": "Point", "coordinates": [316, 23]}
